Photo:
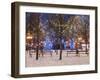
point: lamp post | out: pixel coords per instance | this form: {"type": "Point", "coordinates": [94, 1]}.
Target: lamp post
{"type": "Point", "coordinates": [79, 40]}
{"type": "Point", "coordinates": [29, 38]}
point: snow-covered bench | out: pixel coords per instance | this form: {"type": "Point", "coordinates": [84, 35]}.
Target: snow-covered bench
{"type": "Point", "coordinates": [77, 52]}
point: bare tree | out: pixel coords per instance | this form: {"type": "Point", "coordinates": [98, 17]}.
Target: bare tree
{"type": "Point", "coordinates": [57, 23]}
{"type": "Point", "coordinates": [35, 29]}
{"type": "Point", "coordinates": [79, 26]}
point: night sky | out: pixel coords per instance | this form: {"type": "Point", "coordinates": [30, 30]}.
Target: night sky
{"type": "Point", "coordinates": [45, 16]}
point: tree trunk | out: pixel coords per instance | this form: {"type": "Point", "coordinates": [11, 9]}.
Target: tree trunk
{"type": "Point", "coordinates": [86, 41]}
{"type": "Point", "coordinates": [86, 48]}
{"type": "Point", "coordinates": [60, 55]}
{"type": "Point", "coordinates": [37, 48]}
{"type": "Point", "coordinates": [37, 53]}
{"type": "Point", "coordinates": [60, 58]}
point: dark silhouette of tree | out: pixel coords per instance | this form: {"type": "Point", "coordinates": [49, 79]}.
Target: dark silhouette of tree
{"type": "Point", "coordinates": [86, 30]}
{"type": "Point", "coordinates": [35, 29]}
{"type": "Point", "coordinates": [79, 26]}
{"type": "Point", "coordinates": [57, 23]}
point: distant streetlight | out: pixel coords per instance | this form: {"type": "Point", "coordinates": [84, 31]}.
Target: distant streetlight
{"type": "Point", "coordinates": [29, 37]}
{"type": "Point", "coordinates": [80, 39]}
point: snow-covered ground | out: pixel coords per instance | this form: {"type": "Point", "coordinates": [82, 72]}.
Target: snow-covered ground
{"type": "Point", "coordinates": [48, 60]}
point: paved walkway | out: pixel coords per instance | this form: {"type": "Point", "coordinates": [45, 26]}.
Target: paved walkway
{"type": "Point", "coordinates": [48, 60]}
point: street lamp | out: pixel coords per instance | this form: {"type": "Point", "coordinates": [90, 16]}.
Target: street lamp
{"type": "Point", "coordinates": [78, 45]}
{"type": "Point", "coordinates": [80, 39]}
{"type": "Point", "coordinates": [29, 37]}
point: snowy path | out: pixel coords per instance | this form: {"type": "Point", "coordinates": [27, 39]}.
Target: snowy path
{"type": "Point", "coordinates": [48, 60]}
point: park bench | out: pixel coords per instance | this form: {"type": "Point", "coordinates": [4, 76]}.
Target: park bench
{"type": "Point", "coordinates": [75, 51]}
